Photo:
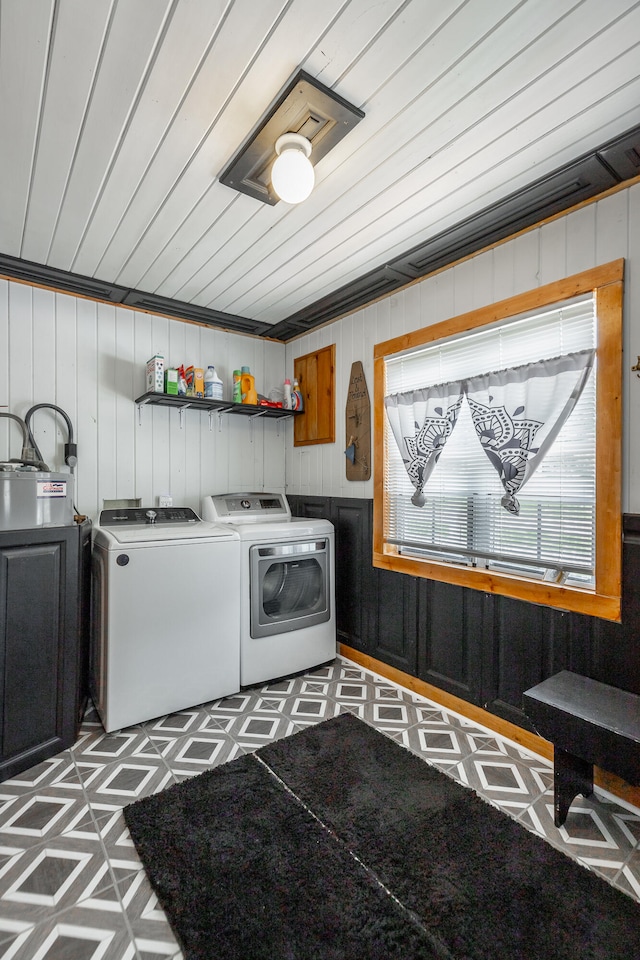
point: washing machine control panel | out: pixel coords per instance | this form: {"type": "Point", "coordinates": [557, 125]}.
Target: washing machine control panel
{"type": "Point", "coordinates": [148, 515]}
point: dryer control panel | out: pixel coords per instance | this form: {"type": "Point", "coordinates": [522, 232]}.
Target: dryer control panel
{"type": "Point", "coordinates": [246, 507]}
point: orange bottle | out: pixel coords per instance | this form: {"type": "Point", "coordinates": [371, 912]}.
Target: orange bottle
{"type": "Point", "coordinates": [248, 388]}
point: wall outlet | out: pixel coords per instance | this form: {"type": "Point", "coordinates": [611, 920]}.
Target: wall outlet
{"type": "Point", "coordinates": [165, 500]}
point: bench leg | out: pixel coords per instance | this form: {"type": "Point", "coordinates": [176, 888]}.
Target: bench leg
{"type": "Point", "coordinates": [571, 776]}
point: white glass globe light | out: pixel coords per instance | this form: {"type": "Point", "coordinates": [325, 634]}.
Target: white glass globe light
{"type": "Point", "coordinates": [292, 174]}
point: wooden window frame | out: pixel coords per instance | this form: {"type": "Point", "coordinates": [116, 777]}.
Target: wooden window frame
{"type": "Point", "coordinates": [606, 284]}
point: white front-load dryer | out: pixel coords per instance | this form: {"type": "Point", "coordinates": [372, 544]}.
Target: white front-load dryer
{"type": "Point", "coordinates": [287, 618]}
{"type": "Point", "coordinates": [165, 618]}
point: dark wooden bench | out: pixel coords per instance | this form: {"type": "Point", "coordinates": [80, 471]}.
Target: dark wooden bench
{"type": "Point", "coordinates": [588, 723]}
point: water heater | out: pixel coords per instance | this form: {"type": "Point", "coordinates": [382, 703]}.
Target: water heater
{"type": "Point", "coordinates": [34, 498]}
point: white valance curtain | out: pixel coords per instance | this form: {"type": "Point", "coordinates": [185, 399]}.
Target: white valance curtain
{"type": "Point", "coordinates": [422, 421]}
{"type": "Point", "coordinates": [517, 414]}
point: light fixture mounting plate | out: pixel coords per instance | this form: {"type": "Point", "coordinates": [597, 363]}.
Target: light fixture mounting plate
{"type": "Point", "coordinates": [305, 106]}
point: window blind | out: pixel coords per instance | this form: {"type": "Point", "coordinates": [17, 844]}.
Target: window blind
{"type": "Point", "coordinates": [462, 520]}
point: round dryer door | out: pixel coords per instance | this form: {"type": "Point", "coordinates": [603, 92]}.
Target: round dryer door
{"type": "Point", "coordinates": [289, 586]}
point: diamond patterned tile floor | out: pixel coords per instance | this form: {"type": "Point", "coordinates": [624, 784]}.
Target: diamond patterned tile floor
{"type": "Point", "coordinates": [72, 887]}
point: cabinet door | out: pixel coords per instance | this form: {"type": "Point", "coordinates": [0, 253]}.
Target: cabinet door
{"type": "Point", "coordinates": [315, 373]}
{"type": "Point", "coordinates": [38, 674]}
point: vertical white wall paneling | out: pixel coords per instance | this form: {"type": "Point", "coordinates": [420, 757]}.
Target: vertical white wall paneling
{"type": "Point", "coordinates": [503, 261]}
{"type": "Point", "coordinates": [440, 296]}
{"type": "Point", "coordinates": [463, 287]}
{"type": "Point", "coordinates": [9, 434]}
{"type": "Point", "coordinates": [526, 272]}
{"type": "Point", "coordinates": [581, 239]}
{"type": "Point", "coordinates": [631, 333]}
{"type": "Point", "coordinates": [219, 480]}
{"type": "Point", "coordinates": [106, 413]}
{"type": "Point", "coordinates": [47, 429]}
{"type": "Point", "coordinates": [125, 378]}
{"type": "Point", "coordinates": [482, 279]}
{"type": "Point", "coordinates": [191, 431]}
{"type": "Point", "coordinates": [169, 339]}
{"type": "Point", "coordinates": [611, 227]}
{"type": "Point", "coordinates": [20, 356]}
{"type": "Point", "coordinates": [553, 251]}
{"type": "Point", "coordinates": [66, 359]}
{"type": "Point", "coordinates": [157, 421]}
{"type": "Point", "coordinates": [39, 382]}
{"type": "Point", "coordinates": [612, 242]}
{"type": "Point", "coordinates": [64, 388]}
{"type": "Point", "coordinates": [87, 386]}
{"type": "Point", "coordinates": [275, 432]}
{"type": "Point", "coordinates": [211, 354]}
{"type": "Point", "coordinates": [144, 421]}
{"type": "Point", "coordinates": [411, 300]}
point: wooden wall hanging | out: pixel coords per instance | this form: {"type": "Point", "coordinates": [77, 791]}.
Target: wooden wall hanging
{"type": "Point", "coordinates": [358, 426]}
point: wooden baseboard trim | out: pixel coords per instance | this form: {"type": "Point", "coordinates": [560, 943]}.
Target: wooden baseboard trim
{"type": "Point", "coordinates": [530, 741]}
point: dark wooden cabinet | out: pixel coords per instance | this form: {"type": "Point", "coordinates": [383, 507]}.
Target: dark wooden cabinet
{"type": "Point", "coordinates": [44, 595]}
{"type": "Point", "coordinates": [484, 649]}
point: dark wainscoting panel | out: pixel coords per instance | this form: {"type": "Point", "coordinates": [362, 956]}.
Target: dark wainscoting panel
{"type": "Point", "coordinates": [451, 631]}
{"type": "Point", "coordinates": [375, 610]}
{"type": "Point", "coordinates": [485, 649]}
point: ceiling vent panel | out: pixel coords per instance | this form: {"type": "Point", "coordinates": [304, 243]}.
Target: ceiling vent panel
{"type": "Point", "coordinates": [43, 276]}
{"type": "Point", "coordinates": [375, 284]}
{"type": "Point", "coordinates": [623, 155]}
{"type": "Point", "coordinates": [542, 199]}
{"type": "Point", "coordinates": [152, 303]}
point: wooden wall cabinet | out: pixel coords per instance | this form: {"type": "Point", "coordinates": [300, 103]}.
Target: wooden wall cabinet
{"type": "Point", "coordinates": [315, 373]}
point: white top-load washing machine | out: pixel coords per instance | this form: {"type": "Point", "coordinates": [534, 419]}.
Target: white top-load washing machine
{"type": "Point", "coordinates": [165, 618]}
{"type": "Point", "coordinates": [287, 611]}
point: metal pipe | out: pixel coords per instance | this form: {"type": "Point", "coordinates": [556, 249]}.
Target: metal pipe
{"type": "Point", "coordinates": [28, 455]}
{"type": "Point", "coordinates": [70, 447]}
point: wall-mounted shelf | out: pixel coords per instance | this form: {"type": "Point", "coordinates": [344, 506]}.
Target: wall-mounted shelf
{"type": "Point", "coordinates": [213, 406]}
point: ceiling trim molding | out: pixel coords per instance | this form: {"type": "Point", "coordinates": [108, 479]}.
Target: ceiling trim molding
{"type": "Point", "coordinates": [609, 167]}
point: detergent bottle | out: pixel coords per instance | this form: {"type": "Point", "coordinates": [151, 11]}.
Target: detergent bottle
{"type": "Point", "coordinates": [237, 386]}
{"type": "Point", "coordinates": [248, 387]}
{"type": "Point", "coordinates": [213, 387]}
{"type": "Point", "coordinates": [296, 394]}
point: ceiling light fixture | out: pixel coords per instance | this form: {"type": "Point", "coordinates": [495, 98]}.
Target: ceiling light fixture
{"type": "Point", "coordinates": [292, 174]}
{"type": "Point", "coordinates": [306, 110]}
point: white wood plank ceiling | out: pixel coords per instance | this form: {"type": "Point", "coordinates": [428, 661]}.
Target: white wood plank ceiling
{"type": "Point", "coordinates": [117, 116]}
